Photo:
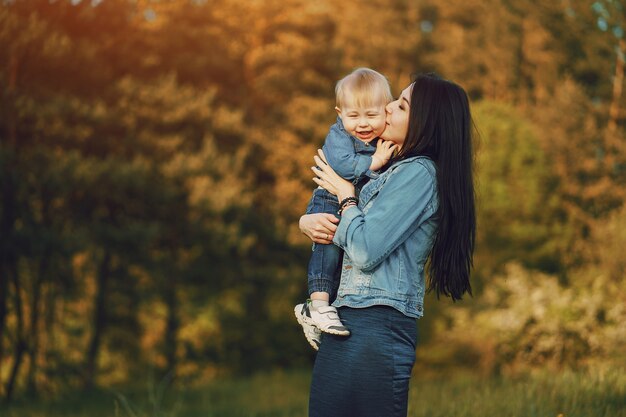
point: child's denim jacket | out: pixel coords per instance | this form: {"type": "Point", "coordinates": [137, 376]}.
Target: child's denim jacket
{"type": "Point", "coordinates": [388, 238]}
{"type": "Point", "coordinates": [348, 156]}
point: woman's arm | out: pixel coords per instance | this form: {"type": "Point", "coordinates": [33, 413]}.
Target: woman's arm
{"type": "Point", "coordinates": [395, 214]}
{"type": "Point", "coordinates": [321, 227]}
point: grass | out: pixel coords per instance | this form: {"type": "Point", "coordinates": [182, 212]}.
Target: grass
{"type": "Point", "coordinates": [284, 394]}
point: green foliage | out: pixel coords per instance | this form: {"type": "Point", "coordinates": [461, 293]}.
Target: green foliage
{"type": "Point", "coordinates": [526, 318]}
{"type": "Point", "coordinates": [592, 393]}
{"type": "Point", "coordinates": [516, 199]}
{"type": "Point", "coordinates": [154, 160]}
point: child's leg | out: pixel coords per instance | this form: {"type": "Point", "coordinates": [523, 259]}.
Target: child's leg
{"type": "Point", "coordinates": [322, 274]}
{"type": "Point", "coordinates": [326, 259]}
{"type": "Point", "coordinates": [324, 265]}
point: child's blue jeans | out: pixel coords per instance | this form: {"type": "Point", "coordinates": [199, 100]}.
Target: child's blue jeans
{"type": "Point", "coordinates": [325, 263]}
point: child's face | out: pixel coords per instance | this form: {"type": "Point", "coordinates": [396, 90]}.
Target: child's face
{"type": "Point", "coordinates": [364, 124]}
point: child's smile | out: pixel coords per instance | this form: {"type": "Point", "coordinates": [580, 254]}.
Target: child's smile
{"type": "Point", "coordinates": [365, 124]}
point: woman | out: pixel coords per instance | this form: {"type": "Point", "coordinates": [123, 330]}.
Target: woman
{"type": "Point", "coordinates": [421, 208]}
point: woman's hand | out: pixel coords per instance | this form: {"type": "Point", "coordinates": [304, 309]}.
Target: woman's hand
{"type": "Point", "coordinates": [319, 227]}
{"type": "Point", "coordinates": [327, 178]}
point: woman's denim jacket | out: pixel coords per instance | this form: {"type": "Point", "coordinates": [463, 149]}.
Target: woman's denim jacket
{"type": "Point", "coordinates": [388, 238]}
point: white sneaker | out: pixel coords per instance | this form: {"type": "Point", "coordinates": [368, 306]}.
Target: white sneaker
{"type": "Point", "coordinates": [325, 319]}
{"type": "Point", "coordinates": [313, 334]}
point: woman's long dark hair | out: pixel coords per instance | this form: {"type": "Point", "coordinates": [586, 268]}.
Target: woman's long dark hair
{"type": "Point", "coordinates": [440, 127]}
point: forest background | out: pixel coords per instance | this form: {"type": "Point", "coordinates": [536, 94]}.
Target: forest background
{"type": "Point", "coordinates": [154, 162]}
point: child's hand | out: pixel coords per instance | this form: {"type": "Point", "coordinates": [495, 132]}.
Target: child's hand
{"type": "Point", "coordinates": [384, 151]}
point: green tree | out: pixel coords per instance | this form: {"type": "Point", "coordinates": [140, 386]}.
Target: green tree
{"type": "Point", "coordinates": [517, 202]}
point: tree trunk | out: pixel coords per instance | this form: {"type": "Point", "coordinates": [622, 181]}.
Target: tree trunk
{"type": "Point", "coordinates": [8, 261]}
{"type": "Point", "coordinates": [20, 342]}
{"type": "Point", "coordinates": [20, 348]}
{"type": "Point", "coordinates": [8, 207]}
{"type": "Point", "coordinates": [33, 351]}
{"type": "Point", "coordinates": [4, 294]}
{"type": "Point", "coordinates": [4, 288]}
{"type": "Point", "coordinates": [171, 330]}
{"type": "Point", "coordinates": [99, 320]}
{"type": "Point", "coordinates": [36, 300]}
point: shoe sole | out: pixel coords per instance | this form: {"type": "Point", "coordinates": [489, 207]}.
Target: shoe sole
{"type": "Point", "coordinates": [335, 332]}
{"type": "Point", "coordinates": [303, 323]}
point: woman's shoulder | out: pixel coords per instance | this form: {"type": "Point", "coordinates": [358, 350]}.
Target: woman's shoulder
{"type": "Point", "coordinates": [402, 175]}
{"type": "Point", "coordinates": [416, 165]}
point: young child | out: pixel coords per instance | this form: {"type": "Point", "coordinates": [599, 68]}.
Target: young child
{"type": "Point", "coordinates": [350, 149]}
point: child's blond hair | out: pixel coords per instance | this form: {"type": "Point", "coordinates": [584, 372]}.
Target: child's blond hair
{"type": "Point", "coordinates": [366, 87]}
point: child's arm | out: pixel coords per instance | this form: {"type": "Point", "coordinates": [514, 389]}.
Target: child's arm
{"type": "Point", "coordinates": [384, 151]}
{"type": "Point", "coordinates": [342, 157]}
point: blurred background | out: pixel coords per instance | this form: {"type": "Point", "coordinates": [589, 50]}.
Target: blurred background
{"type": "Point", "coordinates": [154, 162]}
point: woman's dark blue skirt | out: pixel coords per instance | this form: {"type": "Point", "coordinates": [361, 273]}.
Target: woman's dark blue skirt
{"type": "Point", "coordinates": [367, 373]}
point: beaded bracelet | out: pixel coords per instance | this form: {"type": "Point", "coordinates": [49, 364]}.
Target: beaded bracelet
{"type": "Point", "coordinates": [347, 202]}
{"type": "Point", "coordinates": [345, 206]}
{"type": "Point", "coordinates": [347, 199]}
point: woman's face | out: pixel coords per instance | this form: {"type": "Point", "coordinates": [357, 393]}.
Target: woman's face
{"type": "Point", "coordinates": [397, 122]}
